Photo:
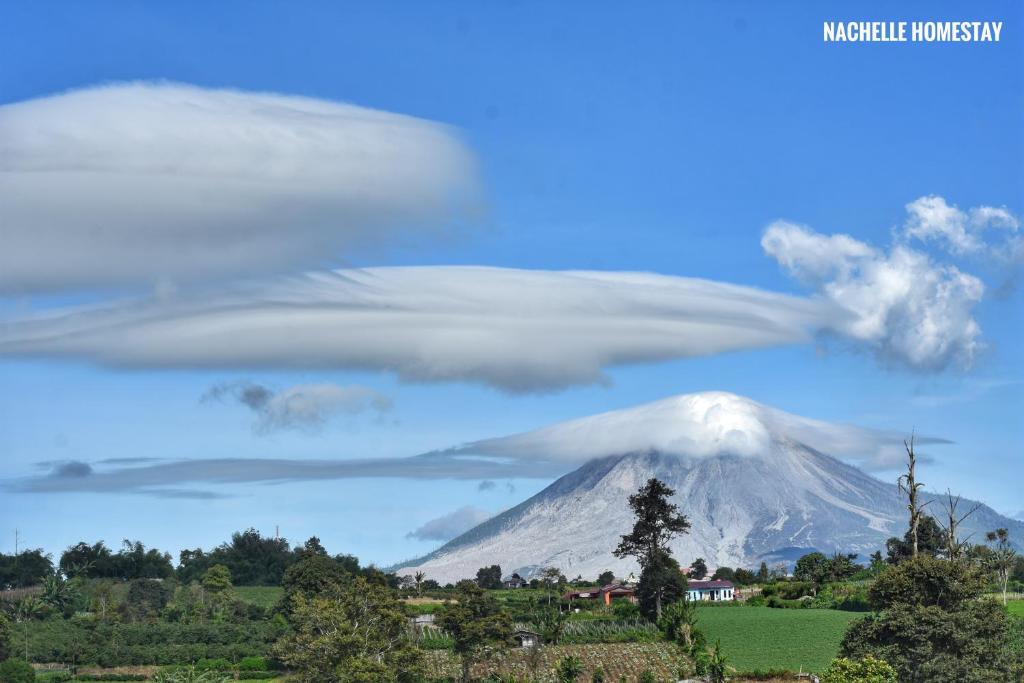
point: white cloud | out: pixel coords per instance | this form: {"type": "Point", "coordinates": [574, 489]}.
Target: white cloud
{"type": "Point", "coordinates": [908, 309]}
{"type": "Point", "coordinates": [931, 218]}
{"type": "Point", "coordinates": [449, 526]}
{"type": "Point", "coordinates": [155, 182]}
{"type": "Point", "coordinates": [305, 407]}
{"type": "Point", "coordinates": [518, 330]}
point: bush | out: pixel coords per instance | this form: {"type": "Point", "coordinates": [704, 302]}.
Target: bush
{"type": "Point", "coordinates": [16, 671]}
{"type": "Point", "coordinates": [110, 677]}
{"type": "Point", "coordinates": [54, 677]}
{"type": "Point", "coordinates": [256, 675]}
{"type": "Point", "coordinates": [219, 664]}
{"type": "Point", "coordinates": [253, 664]}
{"type": "Point", "coordinates": [867, 670]}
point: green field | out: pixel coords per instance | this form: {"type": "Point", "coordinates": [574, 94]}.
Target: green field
{"type": "Point", "coordinates": [1016, 607]}
{"type": "Point", "coordinates": [264, 596]}
{"type": "Point", "coordinates": [761, 638]}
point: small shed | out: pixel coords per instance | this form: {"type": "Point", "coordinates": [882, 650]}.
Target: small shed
{"type": "Point", "coordinates": [526, 638]}
{"type": "Point", "coordinates": [514, 581]}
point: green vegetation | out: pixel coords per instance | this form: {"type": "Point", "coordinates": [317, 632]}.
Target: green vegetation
{"type": "Point", "coordinates": [261, 596]}
{"type": "Point", "coordinates": [1016, 608]}
{"type": "Point", "coordinates": [759, 638]}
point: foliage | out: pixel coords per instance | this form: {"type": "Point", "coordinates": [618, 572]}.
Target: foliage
{"type": "Point", "coordinates": [1002, 558]}
{"type": "Point", "coordinates": [657, 522]}
{"type": "Point", "coordinates": [931, 540]}
{"type": "Point", "coordinates": [489, 577]}
{"type": "Point", "coordinates": [5, 637]}
{"type": "Point", "coordinates": [699, 569]}
{"type": "Point", "coordinates": [355, 636]}
{"type": "Point", "coordinates": [931, 626]}
{"type": "Point", "coordinates": [252, 559]}
{"type": "Point", "coordinates": [569, 669]}
{"type": "Point", "coordinates": [867, 670]}
{"type": "Point", "coordinates": [314, 576]}
{"type": "Point", "coordinates": [133, 561]}
{"type": "Point", "coordinates": [107, 644]}
{"type": "Point", "coordinates": [27, 568]}
{"type": "Point", "coordinates": [16, 671]}
{"type": "Point", "coordinates": [604, 578]}
{"type": "Point", "coordinates": [661, 583]}
{"type": "Point", "coordinates": [189, 674]}
{"type": "Point", "coordinates": [478, 625]}
{"type": "Point", "coordinates": [146, 597]}
{"type": "Point", "coordinates": [679, 622]}
{"type": "Point", "coordinates": [217, 578]}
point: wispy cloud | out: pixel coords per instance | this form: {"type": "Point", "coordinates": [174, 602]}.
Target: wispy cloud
{"type": "Point", "coordinates": [305, 407]}
{"type": "Point", "coordinates": [447, 527]}
{"type": "Point", "coordinates": [693, 425]}
{"type": "Point", "coordinates": [162, 182]}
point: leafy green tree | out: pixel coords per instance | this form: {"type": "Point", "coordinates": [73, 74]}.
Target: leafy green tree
{"type": "Point", "coordinates": [314, 576]}
{"type": "Point", "coordinates": [931, 626]}
{"type": "Point", "coordinates": [724, 574]}
{"type": "Point", "coordinates": [661, 583]}
{"type": "Point", "coordinates": [145, 599]}
{"type": "Point", "coordinates": [744, 577]}
{"type": "Point", "coordinates": [699, 569]}
{"type": "Point", "coordinates": [931, 541]}
{"type": "Point", "coordinates": [27, 568]}
{"type": "Point", "coordinates": [811, 567]}
{"type": "Point", "coordinates": [355, 636]}
{"type": "Point", "coordinates": [477, 623]}
{"type": "Point", "coordinates": [16, 671]}
{"type": "Point", "coordinates": [568, 669]}
{"type": "Point", "coordinates": [217, 579]}
{"type": "Point", "coordinates": [657, 522]}
{"type": "Point", "coordinates": [489, 577]}
{"type": "Point", "coordinates": [762, 573]}
{"type": "Point", "coordinates": [867, 670]}
{"type": "Point", "coordinates": [605, 578]}
{"type": "Point", "coordinates": [58, 593]}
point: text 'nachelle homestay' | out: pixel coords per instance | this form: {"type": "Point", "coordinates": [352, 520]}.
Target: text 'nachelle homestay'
{"type": "Point", "coordinates": [912, 31]}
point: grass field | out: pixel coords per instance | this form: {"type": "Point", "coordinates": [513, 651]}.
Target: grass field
{"type": "Point", "coordinates": [264, 596]}
{"type": "Point", "coordinates": [761, 638]}
{"type": "Point", "coordinates": [1016, 607]}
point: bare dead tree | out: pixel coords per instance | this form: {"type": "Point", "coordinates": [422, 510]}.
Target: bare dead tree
{"type": "Point", "coordinates": [955, 545]}
{"type": "Point", "coordinates": [909, 485]}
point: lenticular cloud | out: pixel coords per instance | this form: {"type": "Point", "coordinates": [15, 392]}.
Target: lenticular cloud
{"type": "Point", "coordinates": [155, 182]}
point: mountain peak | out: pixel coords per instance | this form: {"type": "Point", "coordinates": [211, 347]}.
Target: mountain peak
{"type": "Point", "coordinates": [693, 425]}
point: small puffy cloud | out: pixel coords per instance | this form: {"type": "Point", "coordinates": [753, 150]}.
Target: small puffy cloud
{"type": "Point", "coordinates": [158, 183]}
{"type": "Point", "coordinates": [932, 219]}
{"type": "Point", "coordinates": [449, 526]}
{"type": "Point", "coordinates": [72, 469]}
{"type": "Point", "coordinates": [486, 485]}
{"type": "Point", "coordinates": [905, 307]}
{"type": "Point", "coordinates": [305, 407]}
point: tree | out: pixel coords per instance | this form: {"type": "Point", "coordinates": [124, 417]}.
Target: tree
{"type": "Point", "coordinates": [909, 484]}
{"type": "Point", "coordinates": [355, 636]}
{"type": "Point", "coordinates": [679, 623]}
{"type": "Point", "coordinates": [931, 541]}
{"type": "Point", "coordinates": [763, 574]}
{"type": "Point", "coordinates": [315, 576]}
{"type": "Point", "coordinates": [217, 579]}
{"type": "Point", "coordinates": [58, 593]}
{"type": "Point", "coordinates": [699, 569]}
{"type": "Point", "coordinates": [930, 624]}
{"type": "Point", "coordinates": [954, 518]}
{"type": "Point", "coordinates": [27, 568]}
{"type": "Point", "coordinates": [744, 577]}
{"type": "Point", "coordinates": [16, 671]}
{"type": "Point", "coordinates": [1002, 558]}
{"type": "Point", "coordinates": [724, 574]}
{"type": "Point", "coordinates": [657, 522]}
{"type": "Point", "coordinates": [477, 623]}
{"type": "Point", "coordinates": [311, 547]}
{"type": "Point", "coordinates": [417, 579]}
{"type": "Point", "coordinates": [146, 597]}
{"type": "Point", "coordinates": [661, 583]}
{"type": "Point", "coordinates": [867, 670]}
{"type": "Point", "coordinates": [605, 578]}
{"type": "Point", "coordinates": [489, 577]}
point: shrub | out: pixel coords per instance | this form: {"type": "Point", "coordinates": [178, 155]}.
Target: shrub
{"type": "Point", "coordinates": [568, 669]}
{"type": "Point", "coordinates": [219, 664]}
{"type": "Point", "coordinates": [867, 670]}
{"type": "Point", "coordinates": [647, 677]}
{"type": "Point", "coordinates": [16, 671]}
{"type": "Point", "coordinates": [253, 664]}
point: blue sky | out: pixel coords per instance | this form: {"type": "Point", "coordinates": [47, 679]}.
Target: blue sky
{"type": "Point", "coordinates": [665, 139]}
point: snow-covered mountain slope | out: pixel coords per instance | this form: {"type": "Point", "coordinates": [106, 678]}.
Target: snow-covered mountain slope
{"type": "Point", "coordinates": [750, 489]}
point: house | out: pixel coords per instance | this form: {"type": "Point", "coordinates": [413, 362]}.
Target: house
{"type": "Point", "coordinates": [710, 590]}
{"type": "Point", "coordinates": [514, 581]}
{"type": "Point", "coordinates": [605, 593]}
{"type": "Point", "coordinates": [526, 638]}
